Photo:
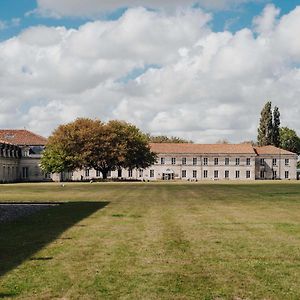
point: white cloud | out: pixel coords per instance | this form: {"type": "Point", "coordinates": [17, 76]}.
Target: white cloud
{"type": "Point", "coordinates": [266, 22]}
{"type": "Point", "coordinates": [15, 22]}
{"type": "Point", "coordinates": [89, 8]}
{"type": "Point", "coordinates": [209, 85]}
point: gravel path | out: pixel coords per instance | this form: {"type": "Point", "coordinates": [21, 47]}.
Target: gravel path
{"type": "Point", "coordinates": [10, 212]}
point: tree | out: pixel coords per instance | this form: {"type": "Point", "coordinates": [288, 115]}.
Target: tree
{"type": "Point", "coordinates": [276, 127]}
{"type": "Point", "coordinates": [252, 143]}
{"type": "Point", "coordinates": [87, 143]}
{"type": "Point", "coordinates": [222, 141]}
{"type": "Point", "coordinates": [289, 140]}
{"type": "Point", "coordinates": [66, 147]}
{"type": "Point", "coordinates": [166, 139]}
{"type": "Point", "coordinates": [265, 129]}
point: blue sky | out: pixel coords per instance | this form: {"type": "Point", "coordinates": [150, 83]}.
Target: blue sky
{"type": "Point", "coordinates": [230, 19]}
{"type": "Point", "coordinates": [199, 71]}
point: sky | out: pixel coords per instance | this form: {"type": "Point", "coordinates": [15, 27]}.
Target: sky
{"type": "Point", "coordinates": [201, 70]}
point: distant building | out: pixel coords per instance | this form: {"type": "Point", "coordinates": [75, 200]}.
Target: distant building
{"type": "Point", "coordinates": [21, 150]}
{"type": "Point", "coordinates": [20, 154]}
{"type": "Point", "coordinates": [209, 162]}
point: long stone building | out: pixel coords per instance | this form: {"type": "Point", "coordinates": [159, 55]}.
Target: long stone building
{"type": "Point", "coordinates": [195, 162]}
{"type": "Point", "coordinates": [21, 150]}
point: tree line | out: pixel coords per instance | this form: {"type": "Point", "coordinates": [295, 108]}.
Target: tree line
{"type": "Point", "coordinates": [270, 132]}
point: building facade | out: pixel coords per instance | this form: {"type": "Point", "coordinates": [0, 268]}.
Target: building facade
{"type": "Point", "coordinates": [21, 150]}
{"type": "Point", "coordinates": [194, 162]}
{"type": "Point", "coordinates": [20, 154]}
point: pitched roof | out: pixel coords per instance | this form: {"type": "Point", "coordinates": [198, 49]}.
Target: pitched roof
{"type": "Point", "coordinates": [271, 150]}
{"type": "Point", "coordinates": [202, 148]}
{"type": "Point", "coordinates": [5, 142]}
{"type": "Point", "coordinates": [21, 137]}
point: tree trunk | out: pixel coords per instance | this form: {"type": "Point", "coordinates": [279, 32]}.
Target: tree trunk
{"type": "Point", "coordinates": [104, 174]}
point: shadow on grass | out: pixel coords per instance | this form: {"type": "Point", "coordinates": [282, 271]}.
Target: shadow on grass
{"type": "Point", "coordinates": [21, 239]}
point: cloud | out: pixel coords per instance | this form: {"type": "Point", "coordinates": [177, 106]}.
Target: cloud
{"type": "Point", "coordinates": [265, 23]}
{"type": "Point", "coordinates": [90, 8]}
{"type": "Point", "coordinates": [195, 83]}
{"type": "Point", "coordinates": [15, 22]}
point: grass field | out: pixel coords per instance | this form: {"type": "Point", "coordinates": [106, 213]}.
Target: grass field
{"type": "Point", "coordinates": [153, 241]}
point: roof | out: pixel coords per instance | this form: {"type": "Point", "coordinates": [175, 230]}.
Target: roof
{"type": "Point", "coordinates": [271, 150]}
{"type": "Point", "coordinates": [21, 137]}
{"type": "Point", "coordinates": [177, 148]}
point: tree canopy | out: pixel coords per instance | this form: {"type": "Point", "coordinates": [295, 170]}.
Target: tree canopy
{"type": "Point", "coordinates": [289, 140]}
{"type": "Point", "coordinates": [105, 147]}
{"type": "Point", "coordinates": [166, 139]}
{"type": "Point", "coordinates": [265, 128]}
{"type": "Point", "coordinates": [276, 127]}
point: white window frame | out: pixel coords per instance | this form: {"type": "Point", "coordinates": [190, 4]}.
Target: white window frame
{"type": "Point", "coordinates": [226, 174]}
{"type": "Point", "coordinates": [227, 161]}
{"type": "Point", "coordinates": [194, 173]}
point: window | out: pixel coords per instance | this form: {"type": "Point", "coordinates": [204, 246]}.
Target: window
{"type": "Point", "coordinates": [162, 160]}
{"type": "Point", "coordinates": [287, 162]}
{"type": "Point", "coordinates": [120, 173]}
{"type": "Point", "coordinates": [226, 161]}
{"type": "Point", "coordinates": [262, 174]}
{"type": "Point", "coordinates": [98, 173]}
{"type": "Point", "coordinates": [129, 173]}
{"type": "Point", "coordinates": [287, 174]}
{"type": "Point", "coordinates": [47, 176]}
{"type": "Point", "coordinates": [24, 172]}
{"type": "Point", "coordinates": [205, 175]}
{"type": "Point", "coordinates": [194, 173]}
{"type": "Point", "coordinates": [216, 174]}
{"type": "Point", "coordinates": [195, 161]}
{"type": "Point", "coordinates": [274, 174]}
{"type": "Point", "coordinates": [141, 172]}
{"type": "Point", "coordinates": [274, 161]}
{"type": "Point", "coordinates": [205, 161]}
{"type": "Point", "coordinates": [87, 172]}
{"type": "Point", "coordinates": [237, 161]}
{"type": "Point", "coordinates": [183, 174]}
{"type": "Point", "coordinates": [248, 174]}
{"type": "Point", "coordinates": [173, 160]}
{"type": "Point", "coordinates": [184, 160]}
{"type": "Point", "coordinates": [262, 162]}
{"type": "Point", "coordinates": [237, 174]}
{"type": "Point", "coordinates": [216, 161]}
{"type": "Point", "coordinates": [226, 174]}
{"type": "Point", "coordinates": [151, 173]}
{"type": "Point", "coordinates": [248, 161]}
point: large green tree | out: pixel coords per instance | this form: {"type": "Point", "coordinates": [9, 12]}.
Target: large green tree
{"type": "Point", "coordinates": [289, 140]}
{"type": "Point", "coordinates": [87, 143]}
{"type": "Point", "coordinates": [276, 127]}
{"type": "Point", "coordinates": [265, 129]}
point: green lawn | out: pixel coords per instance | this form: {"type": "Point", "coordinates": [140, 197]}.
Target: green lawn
{"type": "Point", "coordinates": [153, 241]}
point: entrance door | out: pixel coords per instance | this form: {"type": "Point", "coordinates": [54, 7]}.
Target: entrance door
{"type": "Point", "coordinates": [168, 176]}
